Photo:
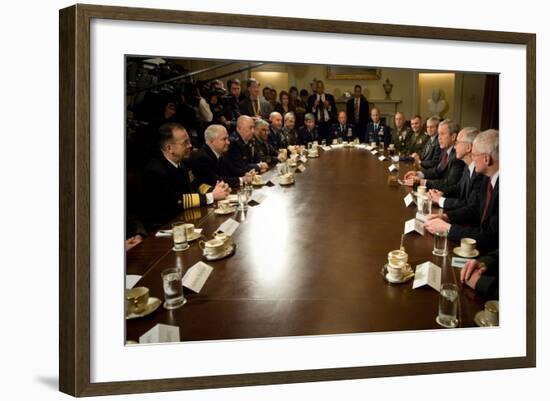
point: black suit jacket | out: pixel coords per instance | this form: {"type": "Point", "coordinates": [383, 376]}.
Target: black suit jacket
{"type": "Point", "coordinates": [246, 108]}
{"type": "Point", "coordinates": [208, 169]}
{"type": "Point", "coordinates": [364, 118]}
{"type": "Point", "coordinates": [305, 136]}
{"type": "Point", "coordinates": [336, 131]}
{"type": "Point", "coordinates": [487, 284]}
{"type": "Point", "coordinates": [464, 191]}
{"type": "Point", "coordinates": [438, 177]}
{"type": "Point", "coordinates": [264, 152]}
{"type": "Point", "coordinates": [321, 107]}
{"type": "Point", "coordinates": [466, 221]}
{"type": "Point", "coordinates": [374, 135]}
{"type": "Point", "coordinates": [430, 154]}
{"type": "Point", "coordinates": [168, 191]}
{"type": "Point", "coordinates": [240, 157]}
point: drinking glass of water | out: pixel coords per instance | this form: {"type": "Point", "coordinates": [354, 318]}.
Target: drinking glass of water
{"type": "Point", "coordinates": [179, 235]}
{"type": "Point", "coordinates": [440, 243]}
{"type": "Point", "coordinates": [173, 289]}
{"type": "Point", "coordinates": [242, 197]}
{"type": "Point", "coordinates": [448, 306]}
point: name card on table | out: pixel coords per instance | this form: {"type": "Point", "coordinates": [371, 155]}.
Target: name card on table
{"type": "Point", "coordinates": [131, 280]}
{"type": "Point", "coordinates": [196, 276]}
{"type": "Point", "coordinates": [374, 152]}
{"type": "Point", "coordinates": [427, 273]}
{"type": "Point", "coordinates": [395, 158]}
{"type": "Point", "coordinates": [408, 199]}
{"type": "Point", "coordinates": [459, 262]}
{"type": "Point", "coordinates": [369, 147]}
{"type": "Point", "coordinates": [382, 158]}
{"type": "Point", "coordinates": [161, 333]}
{"type": "Point", "coordinates": [301, 168]}
{"type": "Point", "coordinates": [258, 196]}
{"type": "Point", "coordinates": [229, 226]}
{"type": "Point", "coordinates": [414, 225]}
{"type": "Point", "coordinates": [303, 159]}
{"type": "Point", "coordinates": [392, 167]}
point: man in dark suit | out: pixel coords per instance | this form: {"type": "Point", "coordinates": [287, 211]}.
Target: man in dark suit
{"type": "Point", "coordinates": [377, 131]}
{"type": "Point", "coordinates": [430, 154]}
{"type": "Point", "coordinates": [240, 157]}
{"type": "Point", "coordinates": [168, 183]}
{"type": "Point", "coordinates": [342, 130]}
{"type": "Point", "coordinates": [476, 220]}
{"type": "Point", "coordinates": [263, 150]}
{"type": "Point", "coordinates": [275, 127]}
{"type": "Point", "coordinates": [308, 133]}
{"type": "Point", "coordinates": [449, 169]}
{"type": "Point", "coordinates": [323, 107]}
{"type": "Point", "coordinates": [357, 109]}
{"type": "Point", "coordinates": [209, 163]}
{"type": "Point", "coordinates": [231, 109]}
{"type": "Point", "coordinates": [253, 104]}
{"type": "Point", "coordinates": [467, 189]}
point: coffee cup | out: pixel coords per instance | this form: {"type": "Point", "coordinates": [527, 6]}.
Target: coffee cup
{"type": "Point", "coordinates": [397, 256]}
{"type": "Point", "coordinates": [391, 146]}
{"type": "Point", "coordinates": [136, 299]}
{"type": "Point", "coordinates": [212, 247]}
{"type": "Point", "coordinates": [189, 229]}
{"type": "Point", "coordinates": [224, 204]}
{"type": "Point", "coordinates": [257, 179]}
{"type": "Point", "coordinates": [422, 189]}
{"type": "Point", "coordinates": [286, 178]}
{"type": "Point", "coordinates": [491, 313]}
{"type": "Point", "coordinates": [395, 270]}
{"type": "Point", "coordinates": [467, 246]}
{"type": "Point", "coordinates": [223, 237]}
{"type": "Point", "coordinates": [373, 144]}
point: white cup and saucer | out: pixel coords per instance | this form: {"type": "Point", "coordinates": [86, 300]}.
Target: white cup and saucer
{"type": "Point", "coordinates": [213, 249]}
{"type": "Point", "coordinates": [467, 248]}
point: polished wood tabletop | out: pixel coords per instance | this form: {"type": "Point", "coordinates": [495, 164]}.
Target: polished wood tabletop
{"type": "Point", "coordinates": [308, 261]}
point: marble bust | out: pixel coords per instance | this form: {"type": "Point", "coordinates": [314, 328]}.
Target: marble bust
{"type": "Point", "coordinates": [436, 104]}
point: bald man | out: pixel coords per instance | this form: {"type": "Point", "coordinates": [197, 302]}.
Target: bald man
{"type": "Point", "coordinates": [240, 157]}
{"type": "Point", "coordinates": [342, 130]}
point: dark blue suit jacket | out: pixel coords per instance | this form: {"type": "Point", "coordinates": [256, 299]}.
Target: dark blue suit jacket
{"type": "Point", "coordinates": [464, 191]}
{"type": "Point", "coordinates": [382, 133]}
{"type": "Point", "coordinates": [337, 131]}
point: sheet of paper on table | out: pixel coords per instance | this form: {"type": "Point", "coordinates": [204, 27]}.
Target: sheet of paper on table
{"type": "Point", "coordinates": [382, 158]}
{"type": "Point", "coordinates": [302, 168]}
{"type": "Point", "coordinates": [414, 225]}
{"type": "Point", "coordinates": [161, 333]}
{"type": "Point", "coordinates": [303, 159]}
{"type": "Point", "coordinates": [408, 199]}
{"type": "Point", "coordinates": [229, 226]}
{"type": "Point", "coordinates": [196, 276]}
{"type": "Point", "coordinates": [374, 152]}
{"type": "Point", "coordinates": [392, 167]}
{"type": "Point", "coordinates": [427, 273]}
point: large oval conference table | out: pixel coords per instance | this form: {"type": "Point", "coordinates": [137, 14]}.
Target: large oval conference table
{"type": "Point", "coordinates": [308, 261]}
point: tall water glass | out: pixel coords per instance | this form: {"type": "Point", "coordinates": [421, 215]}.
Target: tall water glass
{"type": "Point", "coordinates": [173, 289]}
{"type": "Point", "coordinates": [440, 243]}
{"type": "Point", "coordinates": [179, 235]}
{"type": "Point", "coordinates": [448, 306]}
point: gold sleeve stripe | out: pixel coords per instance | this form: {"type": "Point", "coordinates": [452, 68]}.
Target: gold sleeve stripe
{"type": "Point", "coordinates": [191, 200]}
{"type": "Point", "coordinates": [204, 188]}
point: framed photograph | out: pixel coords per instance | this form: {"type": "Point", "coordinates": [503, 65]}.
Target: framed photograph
{"type": "Point", "coordinates": [337, 72]}
{"type": "Point", "coordinates": [96, 43]}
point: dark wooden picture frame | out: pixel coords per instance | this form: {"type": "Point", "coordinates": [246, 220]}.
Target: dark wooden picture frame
{"type": "Point", "coordinates": [340, 72]}
{"type": "Point", "coordinates": [74, 76]}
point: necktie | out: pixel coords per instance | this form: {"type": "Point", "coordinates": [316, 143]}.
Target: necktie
{"type": "Point", "coordinates": [356, 111]}
{"type": "Point", "coordinates": [444, 161]}
{"type": "Point", "coordinates": [487, 201]}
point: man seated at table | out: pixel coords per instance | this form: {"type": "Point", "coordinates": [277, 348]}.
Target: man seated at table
{"type": "Point", "coordinates": [449, 170]}
{"type": "Point", "coordinates": [467, 189]}
{"type": "Point", "coordinates": [377, 131]}
{"type": "Point", "coordinates": [417, 139]}
{"type": "Point", "coordinates": [289, 135]}
{"type": "Point", "coordinates": [263, 151]}
{"type": "Point", "coordinates": [341, 130]}
{"type": "Point", "coordinates": [401, 134]}
{"type": "Point", "coordinates": [209, 163]}
{"type": "Point", "coordinates": [275, 126]}
{"type": "Point", "coordinates": [476, 220]}
{"type": "Point", "coordinates": [308, 133]}
{"type": "Point", "coordinates": [482, 274]}
{"type": "Point", "coordinates": [240, 157]}
{"type": "Point", "coordinates": [168, 183]}
{"type": "Point", "coordinates": [430, 154]}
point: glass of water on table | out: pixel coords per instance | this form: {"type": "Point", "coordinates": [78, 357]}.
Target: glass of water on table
{"type": "Point", "coordinates": [173, 289]}
{"type": "Point", "coordinates": [448, 306]}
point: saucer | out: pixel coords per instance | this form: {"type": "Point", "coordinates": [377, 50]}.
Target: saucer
{"type": "Point", "coordinates": [193, 236]}
{"type": "Point", "coordinates": [229, 251]}
{"type": "Point", "coordinates": [180, 250]}
{"type": "Point", "coordinates": [152, 305]}
{"type": "Point", "coordinates": [258, 184]}
{"type": "Point", "coordinates": [233, 198]}
{"type": "Point", "coordinates": [479, 319]}
{"type": "Point", "coordinates": [313, 156]}
{"type": "Point", "coordinates": [458, 252]}
{"type": "Point", "coordinates": [228, 211]}
{"type": "Point", "coordinates": [408, 275]}
{"type": "Point", "coordinates": [286, 183]}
